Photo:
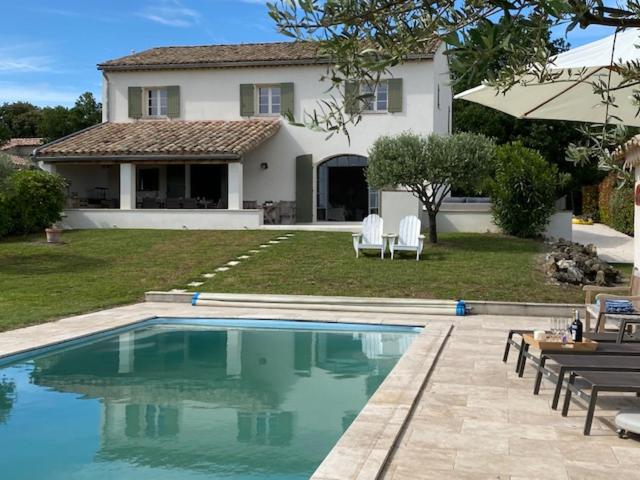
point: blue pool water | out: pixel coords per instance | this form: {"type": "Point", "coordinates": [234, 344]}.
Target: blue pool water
{"type": "Point", "coordinates": [191, 399]}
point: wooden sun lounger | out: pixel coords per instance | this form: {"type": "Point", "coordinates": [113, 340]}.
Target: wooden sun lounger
{"type": "Point", "coordinates": [597, 382]}
{"type": "Point", "coordinates": [623, 349]}
{"type": "Point", "coordinates": [568, 363]}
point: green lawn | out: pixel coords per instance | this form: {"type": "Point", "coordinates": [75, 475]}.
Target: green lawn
{"type": "Point", "coordinates": [468, 266]}
{"type": "Point", "coordinates": [100, 268]}
{"type": "Point", "coordinates": [95, 269]}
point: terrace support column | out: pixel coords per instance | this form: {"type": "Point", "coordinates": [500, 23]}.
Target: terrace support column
{"type": "Point", "coordinates": [187, 181]}
{"type": "Point", "coordinates": [235, 186]}
{"type": "Point", "coordinates": [127, 186]}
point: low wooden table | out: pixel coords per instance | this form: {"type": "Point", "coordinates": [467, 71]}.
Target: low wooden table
{"type": "Point", "coordinates": [552, 345]}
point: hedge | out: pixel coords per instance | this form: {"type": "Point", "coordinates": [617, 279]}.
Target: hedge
{"type": "Point", "coordinates": [30, 201]}
{"type": "Point", "coordinates": [523, 191]}
{"type": "Point", "coordinates": [621, 209]}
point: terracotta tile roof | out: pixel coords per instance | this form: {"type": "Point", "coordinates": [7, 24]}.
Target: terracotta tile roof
{"type": "Point", "coordinates": [154, 137]}
{"type": "Point", "coordinates": [18, 161]}
{"type": "Point", "coordinates": [247, 54]}
{"type": "Point", "coordinates": [21, 142]}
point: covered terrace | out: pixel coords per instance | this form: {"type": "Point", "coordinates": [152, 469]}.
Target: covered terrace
{"type": "Point", "coordinates": [157, 173]}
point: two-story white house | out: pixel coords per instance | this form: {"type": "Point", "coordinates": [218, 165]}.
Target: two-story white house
{"type": "Point", "coordinates": [194, 137]}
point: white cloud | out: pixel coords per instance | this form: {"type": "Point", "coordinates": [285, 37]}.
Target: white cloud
{"type": "Point", "coordinates": [19, 58]}
{"type": "Point", "coordinates": [39, 94]}
{"type": "Point", "coordinates": [171, 13]}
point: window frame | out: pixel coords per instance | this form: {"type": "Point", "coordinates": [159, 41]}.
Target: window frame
{"type": "Point", "coordinates": [270, 104]}
{"type": "Point", "coordinates": [146, 102]}
{"type": "Point", "coordinates": [363, 90]}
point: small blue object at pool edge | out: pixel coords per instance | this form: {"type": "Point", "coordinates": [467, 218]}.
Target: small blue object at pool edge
{"type": "Point", "coordinates": [461, 308]}
{"type": "Point", "coordinates": [194, 299]}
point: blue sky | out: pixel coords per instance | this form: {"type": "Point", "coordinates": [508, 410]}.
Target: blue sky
{"type": "Point", "coordinates": [49, 49]}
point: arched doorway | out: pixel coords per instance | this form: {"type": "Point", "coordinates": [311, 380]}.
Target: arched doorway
{"type": "Point", "coordinates": [343, 194]}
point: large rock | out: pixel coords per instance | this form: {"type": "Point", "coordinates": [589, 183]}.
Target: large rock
{"type": "Point", "coordinates": [569, 262]}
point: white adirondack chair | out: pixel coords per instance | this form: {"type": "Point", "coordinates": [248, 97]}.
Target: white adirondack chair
{"type": "Point", "coordinates": [371, 237]}
{"type": "Point", "coordinates": [408, 238]}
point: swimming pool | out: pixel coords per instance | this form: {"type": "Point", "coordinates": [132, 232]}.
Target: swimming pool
{"type": "Point", "coordinates": [191, 399]}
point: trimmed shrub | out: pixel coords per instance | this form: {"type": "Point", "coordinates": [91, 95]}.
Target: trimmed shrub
{"type": "Point", "coordinates": [621, 210]}
{"type": "Point", "coordinates": [590, 200]}
{"type": "Point", "coordinates": [5, 216]}
{"type": "Point", "coordinates": [605, 190]}
{"type": "Point", "coordinates": [523, 191]}
{"type": "Point", "coordinates": [37, 199]}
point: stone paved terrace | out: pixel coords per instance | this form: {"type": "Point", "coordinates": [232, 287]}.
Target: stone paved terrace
{"type": "Point", "coordinates": [474, 420]}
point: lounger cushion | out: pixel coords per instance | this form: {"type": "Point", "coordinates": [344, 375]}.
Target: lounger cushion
{"type": "Point", "coordinates": [629, 420]}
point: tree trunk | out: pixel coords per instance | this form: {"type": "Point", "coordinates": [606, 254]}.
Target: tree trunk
{"type": "Point", "coordinates": [433, 231]}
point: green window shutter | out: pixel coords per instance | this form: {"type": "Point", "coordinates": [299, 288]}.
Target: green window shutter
{"type": "Point", "coordinates": [351, 93]}
{"type": "Point", "coordinates": [395, 95]}
{"type": "Point", "coordinates": [304, 189]}
{"type": "Point", "coordinates": [247, 100]}
{"type": "Point", "coordinates": [286, 99]}
{"type": "Point", "coordinates": [135, 102]}
{"type": "Point", "coordinates": [173, 101]}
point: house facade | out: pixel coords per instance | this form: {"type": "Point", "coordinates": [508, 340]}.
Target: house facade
{"type": "Point", "coordinates": [195, 137]}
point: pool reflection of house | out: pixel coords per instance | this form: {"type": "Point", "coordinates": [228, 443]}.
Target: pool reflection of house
{"type": "Point", "coordinates": [168, 395]}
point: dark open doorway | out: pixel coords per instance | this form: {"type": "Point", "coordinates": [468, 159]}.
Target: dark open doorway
{"type": "Point", "coordinates": [343, 192]}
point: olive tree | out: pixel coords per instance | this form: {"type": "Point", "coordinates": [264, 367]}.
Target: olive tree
{"type": "Point", "coordinates": [429, 166]}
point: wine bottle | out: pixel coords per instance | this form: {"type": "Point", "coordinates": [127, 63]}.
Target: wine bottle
{"type": "Point", "coordinates": [576, 328]}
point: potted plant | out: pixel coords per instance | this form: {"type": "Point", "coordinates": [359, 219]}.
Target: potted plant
{"type": "Point", "coordinates": [53, 233]}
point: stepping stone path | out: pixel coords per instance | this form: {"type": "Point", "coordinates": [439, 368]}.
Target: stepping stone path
{"type": "Point", "coordinates": [233, 263]}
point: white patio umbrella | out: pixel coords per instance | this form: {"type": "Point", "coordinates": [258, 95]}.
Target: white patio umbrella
{"type": "Point", "coordinates": [571, 95]}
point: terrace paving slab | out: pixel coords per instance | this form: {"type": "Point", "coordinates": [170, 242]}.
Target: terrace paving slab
{"type": "Point", "coordinates": [474, 418]}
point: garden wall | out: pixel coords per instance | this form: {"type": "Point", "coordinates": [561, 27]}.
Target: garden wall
{"type": "Point", "coordinates": [477, 218]}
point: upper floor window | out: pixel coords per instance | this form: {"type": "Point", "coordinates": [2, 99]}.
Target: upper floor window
{"type": "Point", "coordinates": [378, 96]}
{"type": "Point", "coordinates": [269, 100]}
{"type": "Point", "coordinates": [156, 102]}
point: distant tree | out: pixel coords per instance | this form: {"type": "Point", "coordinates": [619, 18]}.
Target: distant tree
{"type": "Point", "coordinates": [86, 112]}
{"type": "Point", "coordinates": [56, 122]}
{"type": "Point", "coordinates": [5, 134]}
{"type": "Point", "coordinates": [19, 119]}
{"type": "Point", "coordinates": [430, 166]}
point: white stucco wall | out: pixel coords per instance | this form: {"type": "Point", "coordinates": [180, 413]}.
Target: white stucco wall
{"type": "Point", "coordinates": [82, 179]}
{"type": "Point", "coordinates": [443, 103]}
{"type": "Point", "coordinates": [477, 218]}
{"type": "Point", "coordinates": [162, 219]}
{"type": "Point", "coordinates": [214, 94]}
{"type": "Point", "coordinates": [395, 205]}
